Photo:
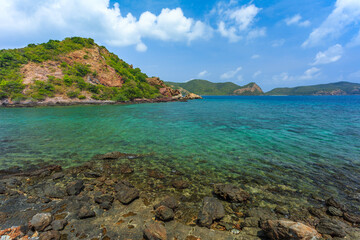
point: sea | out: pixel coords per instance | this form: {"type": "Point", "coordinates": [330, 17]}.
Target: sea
{"type": "Point", "coordinates": [288, 150]}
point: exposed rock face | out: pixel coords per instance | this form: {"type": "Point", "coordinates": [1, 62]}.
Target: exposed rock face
{"type": "Point", "coordinates": [155, 231]}
{"type": "Point", "coordinates": [164, 90]}
{"type": "Point", "coordinates": [41, 71]}
{"type": "Point", "coordinates": [231, 193]}
{"type": "Point", "coordinates": [250, 89]}
{"type": "Point", "coordinates": [192, 96]}
{"type": "Point", "coordinates": [212, 210]}
{"type": "Point", "coordinates": [40, 221]}
{"type": "Point", "coordinates": [285, 229]}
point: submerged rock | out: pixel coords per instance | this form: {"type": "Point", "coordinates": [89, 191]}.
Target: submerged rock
{"type": "Point", "coordinates": [58, 175]}
{"type": "Point", "coordinates": [169, 202]}
{"type": "Point", "coordinates": [335, 211]}
{"type": "Point", "coordinates": [212, 209]}
{"type": "Point", "coordinates": [75, 188]}
{"type": "Point", "coordinates": [230, 192]}
{"type": "Point", "coordinates": [50, 235]}
{"type": "Point", "coordinates": [352, 218]}
{"type": "Point", "coordinates": [59, 225]}
{"type": "Point", "coordinates": [53, 191]}
{"type": "Point", "coordinates": [164, 213]}
{"type": "Point", "coordinates": [180, 184]}
{"type": "Point", "coordinates": [92, 175]}
{"type": "Point", "coordinates": [40, 221]}
{"type": "Point", "coordinates": [126, 194]}
{"type": "Point", "coordinates": [285, 229]}
{"type": "Point", "coordinates": [114, 155]}
{"type": "Point", "coordinates": [105, 201]}
{"type": "Point", "coordinates": [331, 202]}
{"type": "Point", "coordinates": [86, 212]}
{"type": "Point", "coordinates": [155, 231]}
{"type": "Point", "coordinates": [331, 227]}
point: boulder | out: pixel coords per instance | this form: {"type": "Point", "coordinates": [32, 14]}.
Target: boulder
{"type": "Point", "coordinates": [155, 231]}
{"type": "Point", "coordinates": [105, 201]}
{"type": "Point", "coordinates": [86, 212]}
{"type": "Point", "coordinates": [335, 211]}
{"type": "Point", "coordinates": [169, 202]}
{"type": "Point", "coordinates": [126, 194]}
{"type": "Point", "coordinates": [352, 218]}
{"type": "Point", "coordinates": [75, 188]}
{"type": "Point", "coordinates": [59, 225]}
{"type": "Point", "coordinates": [164, 213]}
{"type": "Point", "coordinates": [285, 229]}
{"type": "Point", "coordinates": [331, 202]}
{"type": "Point", "coordinates": [230, 192]}
{"type": "Point", "coordinates": [53, 191]}
{"type": "Point", "coordinates": [40, 221]}
{"type": "Point", "coordinates": [50, 235]}
{"type": "Point", "coordinates": [58, 175]}
{"type": "Point", "coordinates": [331, 227]}
{"type": "Point", "coordinates": [212, 209]}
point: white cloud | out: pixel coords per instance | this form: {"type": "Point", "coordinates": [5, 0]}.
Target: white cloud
{"type": "Point", "coordinates": [355, 75]}
{"type": "Point", "coordinates": [331, 55]}
{"type": "Point", "coordinates": [296, 20]}
{"type": "Point", "coordinates": [278, 43]}
{"type": "Point", "coordinates": [311, 73]}
{"type": "Point", "coordinates": [230, 74]}
{"type": "Point", "coordinates": [21, 19]}
{"type": "Point", "coordinates": [255, 56]}
{"type": "Point", "coordinates": [346, 13]}
{"type": "Point", "coordinates": [256, 74]}
{"type": "Point", "coordinates": [282, 77]}
{"type": "Point", "coordinates": [355, 41]}
{"type": "Point", "coordinates": [203, 74]}
{"type": "Point", "coordinates": [235, 22]}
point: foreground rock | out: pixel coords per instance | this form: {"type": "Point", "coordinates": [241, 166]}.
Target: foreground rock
{"type": "Point", "coordinates": [75, 188]}
{"type": "Point", "coordinates": [285, 229]}
{"type": "Point", "coordinates": [164, 213]}
{"type": "Point", "coordinates": [230, 192]}
{"type": "Point", "coordinates": [126, 193]}
{"type": "Point", "coordinates": [169, 202]}
{"type": "Point", "coordinates": [212, 210]}
{"type": "Point", "coordinates": [155, 231]}
{"type": "Point", "coordinates": [40, 221]}
{"type": "Point", "coordinates": [86, 212]}
{"type": "Point", "coordinates": [331, 227]}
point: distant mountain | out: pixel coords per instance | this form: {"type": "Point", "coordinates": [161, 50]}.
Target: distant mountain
{"type": "Point", "coordinates": [338, 88]}
{"type": "Point", "coordinates": [204, 87]}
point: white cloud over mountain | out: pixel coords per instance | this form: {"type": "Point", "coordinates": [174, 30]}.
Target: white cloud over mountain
{"type": "Point", "coordinates": [231, 74]}
{"type": "Point", "coordinates": [331, 55]}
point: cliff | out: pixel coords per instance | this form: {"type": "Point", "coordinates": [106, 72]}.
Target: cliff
{"type": "Point", "coordinates": [74, 70]}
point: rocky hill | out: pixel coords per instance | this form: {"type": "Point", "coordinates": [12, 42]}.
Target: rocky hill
{"type": "Point", "coordinates": [338, 88]}
{"type": "Point", "coordinates": [74, 70]}
{"type": "Point", "coordinates": [203, 87]}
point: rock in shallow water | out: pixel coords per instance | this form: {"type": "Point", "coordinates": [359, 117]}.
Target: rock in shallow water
{"type": "Point", "coordinates": [230, 192]}
{"type": "Point", "coordinates": [164, 213]}
{"type": "Point", "coordinates": [59, 225]}
{"type": "Point", "coordinates": [169, 202]}
{"type": "Point", "coordinates": [155, 231]}
{"type": "Point", "coordinates": [53, 191]}
{"type": "Point", "coordinates": [331, 227]}
{"type": "Point", "coordinates": [335, 211]}
{"type": "Point", "coordinates": [40, 221]}
{"type": "Point", "coordinates": [285, 230]}
{"type": "Point", "coordinates": [86, 212]}
{"type": "Point", "coordinates": [75, 188]}
{"type": "Point", "coordinates": [50, 235]}
{"type": "Point", "coordinates": [352, 218]}
{"type": "Point", "coordinates": [212, 209]}
{"type": "Point", "coordinates": [126, 194]}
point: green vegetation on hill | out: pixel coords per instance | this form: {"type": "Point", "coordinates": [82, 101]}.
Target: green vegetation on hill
{"type": "Point", "coordinates": [203, 87]}
{"type": "Point", "coordinates": [338, 88]}
{"type": "Point", "coordinates": [73, 83]}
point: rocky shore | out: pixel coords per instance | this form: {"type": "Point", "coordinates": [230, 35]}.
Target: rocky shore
{"type": "Point", "coordinates": [117, 196]}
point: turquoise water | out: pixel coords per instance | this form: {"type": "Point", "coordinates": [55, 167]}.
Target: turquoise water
{"type": "Point", "coordinates": [305, 144]}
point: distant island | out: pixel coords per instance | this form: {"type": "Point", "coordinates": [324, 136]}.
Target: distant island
{"type": "Point", "coordinates": [75, 71]}
{"type": "Point", "coordinates": [204, 87]}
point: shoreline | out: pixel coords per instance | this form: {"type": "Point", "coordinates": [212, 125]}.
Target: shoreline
{"type": "Point", "coordinates": [116, 194]}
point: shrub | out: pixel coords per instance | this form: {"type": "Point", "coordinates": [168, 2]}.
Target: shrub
{"type": "Point", "coordinates": [3, 95]}
{"type": "Point", "coordinates": [81, 97]}
{"type": "Point", "coordinates": [73, 94]}
{"type": "Point", "coordinates": [68, 81]}
{"type": "Point", "coordinates": [120, 98]}
{"type": "Point", "coordinates": [86, 56]}
{"type": "Point", "coordinates": [18, 97]}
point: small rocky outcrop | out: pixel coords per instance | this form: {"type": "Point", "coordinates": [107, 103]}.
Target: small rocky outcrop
{"type": "Point", "coordinates": [192, 96]}
{"type": "Point", "coordinates": [40, 221]}
{"type": "Point", "coordinates": [231, 193]}
{"type": "Point", "coordinates": [155, 231]}
{"type": "Point", "coordinates": [212, 210]}
{"type": "Point", "coordinates": [285, 229]}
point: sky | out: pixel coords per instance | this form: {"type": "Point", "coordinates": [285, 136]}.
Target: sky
{"type": "Point", "coordinates": [275, 43]}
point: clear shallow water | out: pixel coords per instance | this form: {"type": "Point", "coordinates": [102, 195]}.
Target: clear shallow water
{"type": "Point", "coordinates": [306, 144]}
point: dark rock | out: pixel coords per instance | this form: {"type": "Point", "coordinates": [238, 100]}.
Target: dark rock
{"type": "Point", "coordinates": [352, 218]}
{"type": "Point", "coordinates": [286, 230]}
{"type": "Point", "coordinates": [58, 175]}
{"type": "Point", "coordinates": [331, 202]}
{"type": "Point", "coordinates": [335, 211]}
{"type": "Point", "coordinates": [86, 212]}
{"type": "Point", "coordinates": [126, 194]}
{"type": "Point", "coordinates": [40, 221]}
{"type": "Point", "coordinates": [317, 212]}
{"type": "Point", "coordinates": [251, 222]}
{"type": "Point", "coordinates": [212, 209]}
{"type": "Point", "coordinates": [331, 227]}
{"type": "Point", "coordinates": [45, 200]}
{"type": "Point", "coordinates": [53, 191]}
{"type": "Point", "coordinates": [155, 231]}
{"type": "Point", "coordinates": [180, 184]}
{"type": "Point", "coordinates": [2, 188]}
{"type": "Point", "coordinates": [50, 235]}
{"type": "Point", "coordinates": [59, 225]}
{"type": "Point", "coordinates": [74, 188]}
{"type": "Point", "coordinates": [169, 202]}
{"type": "Point", "coordinates": [231, 193]}
{"type": "Point", "coordinates": [105, 205]}
{"type": "Point", "coordinates": [105, 201]}
{"type": "Point", "coordinates": [92, 175]}
{"type": "Point", "coordinates": [126, 169]}
{"type": "Point", "coordinates": [164, 213]}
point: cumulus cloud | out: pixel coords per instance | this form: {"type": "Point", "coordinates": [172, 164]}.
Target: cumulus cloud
{"type": "Point", "coordinates": [331, 55]}
{"type": "Point", "coordinates": [296, 20]}
{"type": "Point", "coordinates": [256, 74]}
{"type": "Point", "coordinates": [235, 21]}
{"type": "Point", "coordinates": [230, 74]}
{"type": "Point", "coordinates": [311, 73]}
{"type": "Point", "coordinates": [203, 74]}
{"type": "Point", "coordinates": [22, 19]}
{"type": "Point", "coordinates": [345, 13]}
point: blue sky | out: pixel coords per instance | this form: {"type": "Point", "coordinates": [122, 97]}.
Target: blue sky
{"type": "Point", "coordinates": [281, 43]}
